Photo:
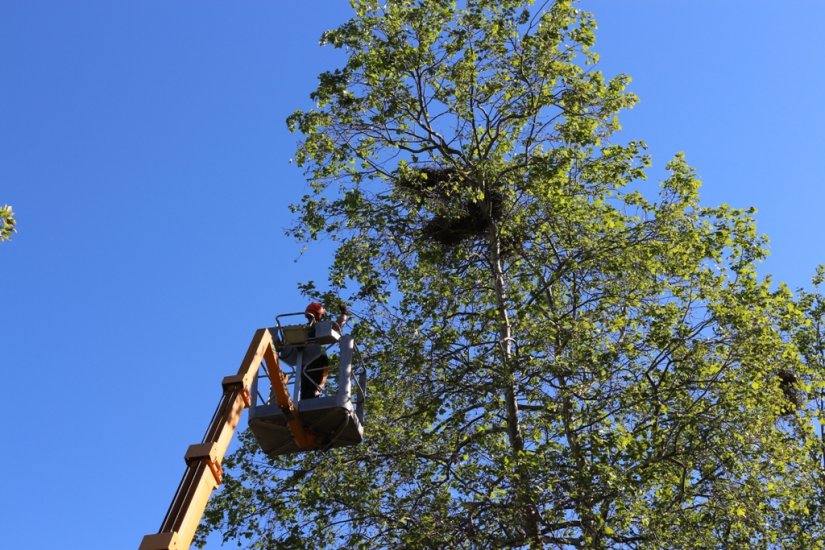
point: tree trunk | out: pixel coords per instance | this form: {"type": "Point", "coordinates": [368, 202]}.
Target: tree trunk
{"type": "Point", "coordinates": [523, 496]}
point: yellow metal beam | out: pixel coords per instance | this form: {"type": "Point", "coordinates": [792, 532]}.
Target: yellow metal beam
{"type": "Point", "coordinates": [304, 438]}
{"type": "Point", "coordinates": [203, 460]}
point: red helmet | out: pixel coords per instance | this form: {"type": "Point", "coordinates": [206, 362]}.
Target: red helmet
{"type": "Point", "coordinates": [315, 310]}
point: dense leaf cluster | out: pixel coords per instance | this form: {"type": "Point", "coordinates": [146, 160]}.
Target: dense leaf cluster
{"type": "Point", "coordinates": [7, 223]}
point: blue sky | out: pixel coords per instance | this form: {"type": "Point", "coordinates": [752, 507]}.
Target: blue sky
{"type": "Point", "coordinates": [143, 147]}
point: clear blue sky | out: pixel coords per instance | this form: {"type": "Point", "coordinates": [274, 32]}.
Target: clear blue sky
{"type": "Point", "coordinates": [143, 147]}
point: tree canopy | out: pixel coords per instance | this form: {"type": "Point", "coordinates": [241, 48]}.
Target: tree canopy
{"type": "Point", "coordinates": [560, 353]}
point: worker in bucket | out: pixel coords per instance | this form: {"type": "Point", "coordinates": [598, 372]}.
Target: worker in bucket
{"type": "Point", "coordinates": [315, 362]}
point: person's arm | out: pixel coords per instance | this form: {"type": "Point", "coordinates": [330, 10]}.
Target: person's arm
{"type": "Point", "coordinates": [342, 318]}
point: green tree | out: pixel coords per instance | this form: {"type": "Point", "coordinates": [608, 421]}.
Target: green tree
{"type": "Point", "coordinates": [559, 355]}
{"type": "Point", "coordinates": [7, 223]}
{"type": "Point", "coordinates": [809, 388]}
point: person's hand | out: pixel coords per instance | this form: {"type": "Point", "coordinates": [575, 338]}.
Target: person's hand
{"type": "Point", "coordinates": [344, 309]}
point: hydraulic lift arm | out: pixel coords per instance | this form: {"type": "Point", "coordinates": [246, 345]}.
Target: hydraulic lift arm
{"type": "Point", "coordinates": [203, 460]}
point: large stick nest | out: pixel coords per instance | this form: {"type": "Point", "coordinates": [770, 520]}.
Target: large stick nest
{"type": "Point", "coordinates": [462, 207]}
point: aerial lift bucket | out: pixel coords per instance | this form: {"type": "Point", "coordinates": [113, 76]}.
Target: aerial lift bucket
{"type": "Point", "coordinates": [284, 424]}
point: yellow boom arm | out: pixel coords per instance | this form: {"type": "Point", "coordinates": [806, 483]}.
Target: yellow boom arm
{"type": "Point", "coordinates": [203, 460]}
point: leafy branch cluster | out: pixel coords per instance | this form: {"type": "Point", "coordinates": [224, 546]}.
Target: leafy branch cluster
{"type": "Point", "coordinates": [7, 223]}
